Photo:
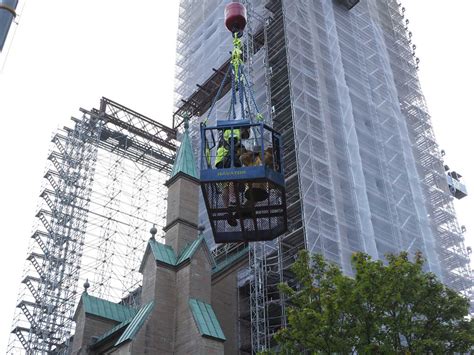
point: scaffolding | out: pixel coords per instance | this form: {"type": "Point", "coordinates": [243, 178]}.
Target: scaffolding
{"type": "Point", "coordinates": [449, 245]}
{"type": "Point", "coordinates": [269, 262]}
{"type": "Point", "coordinates": [363, 172]}
{"type": "Point", "coordinates": [103, 189]}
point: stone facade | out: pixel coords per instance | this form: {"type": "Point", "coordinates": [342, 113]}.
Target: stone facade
{"type": "Point", "coordinates": [225, 303]}
{"type": "Point", "coordinates": [182, 212]}
{"type": "Point", "coordinates": [159, 285]}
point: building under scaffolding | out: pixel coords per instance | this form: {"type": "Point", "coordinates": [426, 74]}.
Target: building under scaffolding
{"type": "Point", "coordinates": [363, 171]}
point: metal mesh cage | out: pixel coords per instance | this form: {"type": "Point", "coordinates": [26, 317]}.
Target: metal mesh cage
{"type": "Point", "coordinates": [242, 181]}
{"type": "Point", "coordinates": [254, 220]}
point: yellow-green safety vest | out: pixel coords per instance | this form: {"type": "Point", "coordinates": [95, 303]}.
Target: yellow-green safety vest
{"type": "Point", "coordinates": [222, 151]}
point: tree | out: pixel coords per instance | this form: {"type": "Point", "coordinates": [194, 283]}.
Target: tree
{"type": "Point", "coordinates": [318, 306]}
{"type": "Point", "coordinates": [392, 308]}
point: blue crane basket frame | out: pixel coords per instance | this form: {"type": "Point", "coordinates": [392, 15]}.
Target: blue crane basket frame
{"type": "Point", "coordinates": [258, 216]}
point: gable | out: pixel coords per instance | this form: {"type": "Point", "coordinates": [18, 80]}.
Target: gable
{"type": "Point", "coordinates": [127, 329]}
{"type": "Point", "coordinates": [165, 254]}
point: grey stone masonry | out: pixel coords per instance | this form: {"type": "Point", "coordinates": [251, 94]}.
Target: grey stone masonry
{"type": "Point", "coordinates": [88, 326]}
{"type": "Point", "coordinates": [159, 285]}
{"type": "Point", "coordinates": [182, 211]}
{"type": "Point", "coordinates": [192, 281]}
{"type": "Point", "coordinates": [225, 304]}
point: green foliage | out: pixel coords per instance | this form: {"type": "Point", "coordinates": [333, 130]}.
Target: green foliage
{"type": "Point", "coordinates": [393, 308]}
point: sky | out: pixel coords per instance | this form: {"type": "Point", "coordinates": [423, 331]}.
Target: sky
{"type": "Point", "coordinates": [67, 54]}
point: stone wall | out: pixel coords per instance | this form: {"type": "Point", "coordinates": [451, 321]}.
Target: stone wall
{"type": "Point", "coordinates": [225, 305]}
{"type": "Point", "coordinates": [88, 326]}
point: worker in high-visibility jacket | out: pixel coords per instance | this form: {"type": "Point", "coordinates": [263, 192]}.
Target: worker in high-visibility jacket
{"type": "Point", "coordinates": [224, 160]}
{"type": "Point", "coordinates": [223, 157]}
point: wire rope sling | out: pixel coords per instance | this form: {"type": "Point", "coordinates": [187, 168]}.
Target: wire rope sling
{"type": "Point", "coordinates": [241, 165]}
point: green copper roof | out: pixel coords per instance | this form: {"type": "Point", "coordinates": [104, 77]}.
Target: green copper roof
{"type": "Point", "coordinates": [106, 309]}
{"type": "Point", "coordinates": [185, 161]}
{"type": "Point", "coordinates": [206, 319]}
{"type": "Point", "coordinates": [136, 323]}
{"type": "Point", "coordinates": [165, 253]}
{"type": "Point", "coordinates": [189, 250]}
{"type": "Point", "coordinates": [131, 325]}
{"type": "Point", "coordinates": [162, 252]}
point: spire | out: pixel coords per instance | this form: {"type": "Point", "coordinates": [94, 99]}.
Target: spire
{"type": "Point", "coordinates": [185, 161]}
